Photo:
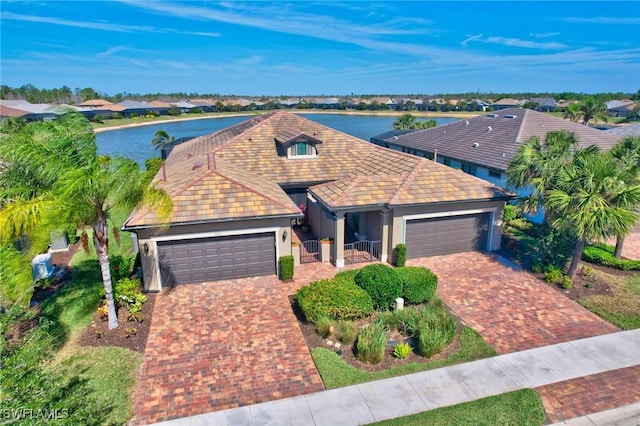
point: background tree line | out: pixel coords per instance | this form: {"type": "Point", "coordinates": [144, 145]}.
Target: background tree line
{"type": "Point", "coordinates": [66, 95]}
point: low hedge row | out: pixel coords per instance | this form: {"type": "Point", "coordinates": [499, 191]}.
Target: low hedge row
{"type": "Point", "coordinates": [418, 284]}
{"type": "Point", "coordinates": [335, 298]}
{"type": "Point", "coordinates": [382, 283]}
{"type": "Point", "coordinates": [355, 293]}
{"type": "Point", "coordinates": [603, 254]}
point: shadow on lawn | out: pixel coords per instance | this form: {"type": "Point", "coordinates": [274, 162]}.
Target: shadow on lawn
{"type": "Point", "coordinates": [72, 306]}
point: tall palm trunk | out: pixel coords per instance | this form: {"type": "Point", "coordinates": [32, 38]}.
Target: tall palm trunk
{"type": "Point", "coordinates": [101, 242]}
{"type": "Point", "coordinates": [619, 243]}
{"type": "Point", "coordinates": [575, 260]}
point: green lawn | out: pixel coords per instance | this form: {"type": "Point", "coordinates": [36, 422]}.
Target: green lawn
{"type": "Point", "coordinates": [336, 373]}
{"type": "Point", "coordinates": [519, 408]}
{"type": "Point", "coordinates": [622, 307]}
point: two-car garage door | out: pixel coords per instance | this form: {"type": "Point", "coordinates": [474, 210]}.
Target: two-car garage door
{"type": "Point", "coordinates": [454, 234]}
{"type": "Point", "coordinates": [198, 260]}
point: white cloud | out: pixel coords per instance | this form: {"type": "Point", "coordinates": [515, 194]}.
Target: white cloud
{"type": "Point", "coordinates": [471, 38]}
{"type": "Point", "coordinates": [99, 25]}
{"type": "Point", "coordinates": [605, 20]}
{"type": "Point", "coordinates": [516, 42]}
{"type": "Point", "coordinates": [543, 35]}
{"type": "Point", "coordinates": [110, 51]}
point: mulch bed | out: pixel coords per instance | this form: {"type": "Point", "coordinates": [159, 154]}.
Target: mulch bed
{"type": "Point", "coordinates": [129, 334]}
{"type": "Point", "coordinates": [98, 333]}
{"type": "Point", "coordinates": [347, 352]}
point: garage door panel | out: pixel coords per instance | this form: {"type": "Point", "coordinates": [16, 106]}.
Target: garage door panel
{"type": "Point", "coordinates": [211, 259]}
{"type": "Point", "coordinates": [437, 236]}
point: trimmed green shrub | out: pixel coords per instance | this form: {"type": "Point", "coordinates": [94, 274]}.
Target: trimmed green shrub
{"type": "Point", "coordinates": [401, 254]}
{"type": "Point", "coordinates": [402, 350]}
{"type": "Point", "coordinates": [510, 213]}
{"type": "Point", "coordinates": [347, 332]}
{"type": "Point", "coordinates": [371, 343]}
{"type": "Point", "coordinates": [382, 283]}
{"type": "Point", "coordinates": [325, 326]}
{"type": "Point", "coordinates": [348, 276]}
{"type": "Point", "coordinates": [603, 254]}
{"type": "Point", "coordinates": [286, 267]}
{"type": "Point", "coordinates": [333, 298]}
{"type": "Point", "coordinates": [553, 276]}
{"type": "Point", "coordinates": [418, 284]}
{"type": "Point", "coordinates": [566, 283]}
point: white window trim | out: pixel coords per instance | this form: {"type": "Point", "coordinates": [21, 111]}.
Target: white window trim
{"type": "Point", "coordinates": [301, 157]}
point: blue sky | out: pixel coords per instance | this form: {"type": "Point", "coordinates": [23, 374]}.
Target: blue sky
{"type": "Point", "coordinates": [321, 48]}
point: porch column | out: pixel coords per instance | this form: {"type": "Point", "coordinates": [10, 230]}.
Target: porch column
{"type": "Point", "coordinates": [385, 216]}
{"type": "Point", "coordinates": [339, 241]}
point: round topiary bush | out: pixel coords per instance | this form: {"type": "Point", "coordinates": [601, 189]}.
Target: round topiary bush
{"type": "Point", "coordinates": [418, 284]}
{"type": "Point", "coordinates": [382, 283]}
{"type": "Point", "coordinates": [338, 299]}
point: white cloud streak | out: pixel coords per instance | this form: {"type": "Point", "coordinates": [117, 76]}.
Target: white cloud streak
{"type": "Point", "coordinates": [605, 20]}
{"type": "Point", "coordinates": [99, 25]}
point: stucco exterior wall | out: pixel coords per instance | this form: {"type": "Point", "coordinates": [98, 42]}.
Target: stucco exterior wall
{"type": "Point", "coordinates": [321, 225]}
{"type": "Point", "coordinates": [151, 279]}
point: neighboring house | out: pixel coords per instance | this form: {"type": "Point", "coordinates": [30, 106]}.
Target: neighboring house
{"type": "Point", "coordinates": [95, 104]}
{"type": "Point", "coordinates": [484, 145]}
{"type": "Point", "coordinates": [32, 112]}
{"type": "Point", "coordinates": [238, 192]}
{"type": "Point", "coordinates": [505, 103]}
{"type": "Point", "coordinates": [7, 111]}
{"type": "Point", "coordinates": [544, 104]}
{"type": "Point", "coordinates": [624, 131]}
{"type": "Point", "coordinates": [621, 110]}
{"type": "Point", "coordinates": [477, 105]}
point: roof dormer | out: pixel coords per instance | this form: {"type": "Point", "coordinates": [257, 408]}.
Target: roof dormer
{"type": "Point", "coordinates": [297, 145]}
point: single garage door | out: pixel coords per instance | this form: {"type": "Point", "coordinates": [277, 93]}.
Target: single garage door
{"type": "Point", "coordinates": [455, 234]}
{"type": "Point", "coordinates": [220, 258]}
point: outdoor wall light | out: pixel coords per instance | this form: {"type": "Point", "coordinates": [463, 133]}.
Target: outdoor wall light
{"type": "Point", "coordinates": [145, 247]}
{"type": "Point", "coordinates": [284, 235]}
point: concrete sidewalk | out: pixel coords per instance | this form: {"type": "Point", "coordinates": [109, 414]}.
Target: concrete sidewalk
{"type": "Point", "coordinates": [410, 394]}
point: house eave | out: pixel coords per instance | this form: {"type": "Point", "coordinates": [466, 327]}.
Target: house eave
{"type": "Point", "coordinates": [209, 221]}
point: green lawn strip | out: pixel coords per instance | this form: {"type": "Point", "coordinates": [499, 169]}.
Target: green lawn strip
{"type": "Point", "coordinates": [519, 408]}
{"type": "Point", "coordinates": [336, 373]}
{"type": "Point", "coordinates": [111, 375]}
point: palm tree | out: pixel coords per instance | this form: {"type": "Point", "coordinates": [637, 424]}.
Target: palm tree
{"type": "Point", "coordinates": [537, 162]}
{"type": "Point", "coordinates": [73, 184]}
{"type": "Point", "coordinates": [590, 109]}
{"type": "Point", "coordinates": [591, 195]}
{"type": "Point", "coordinates": [572, 113]}
{"type": "Point", "coordinates": [161, 139]}
{"type": "Point", "coordinates": [627, 155]}
{"type": "Point", "coordinates": [404, 122]}
{"type": "Point", "coordinates": [426, 124]}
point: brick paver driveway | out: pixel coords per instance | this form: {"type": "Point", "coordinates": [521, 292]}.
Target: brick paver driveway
{"type": "Point", "coordinates": [220, 345]}
{"type": "Point", "coordinates": [510, 308]}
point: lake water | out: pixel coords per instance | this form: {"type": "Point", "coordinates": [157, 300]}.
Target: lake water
{"type": "Point", "coordinates": [135, 142]}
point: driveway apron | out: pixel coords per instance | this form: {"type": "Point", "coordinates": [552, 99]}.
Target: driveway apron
{"type": "Point", "coordinates": [512, 309]}
{"type": "Point", "coordinates": [220, 345]}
